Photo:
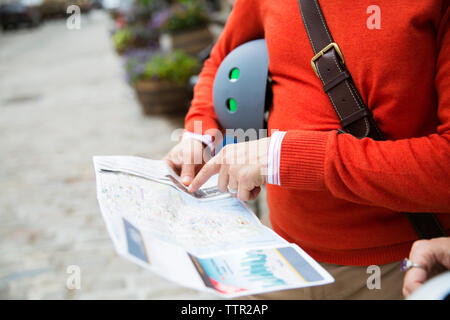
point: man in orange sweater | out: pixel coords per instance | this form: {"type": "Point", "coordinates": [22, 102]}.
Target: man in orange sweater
{"type": "Point", "coordinates": [338, 197]}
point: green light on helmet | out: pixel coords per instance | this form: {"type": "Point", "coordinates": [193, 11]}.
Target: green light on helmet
{"type": "Point", "coordinates": [232, 105]}
{"type": "Point", "coordinates": [234, 74]}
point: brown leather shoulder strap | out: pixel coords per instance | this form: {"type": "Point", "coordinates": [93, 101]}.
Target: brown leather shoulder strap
{"type": "Point", "coordinates": [356, 119]}
{"type": "Point", "coordinates": [329, 65]}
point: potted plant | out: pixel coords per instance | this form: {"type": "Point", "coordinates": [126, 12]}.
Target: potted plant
{"type": "Point", "coordinates": [135, 29]}
{"type": "Point", "coordinates": [142, 10]}
{"type": "Point", "coordinates": [123, 39]}
{"type": "Point", "coordinates": [136, 36]}
{"type": "Point", "coordinates": [184, 26]}
{"type": "Point", "coordinates": [161, 81]}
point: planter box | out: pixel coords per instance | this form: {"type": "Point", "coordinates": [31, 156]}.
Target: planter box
{"type": "Point", "coordinates": [191, 41]}
{"type": "Point", "coordinates": [161, 97]}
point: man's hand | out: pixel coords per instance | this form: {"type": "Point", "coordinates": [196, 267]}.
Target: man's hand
{"type": "Point", "coordinates": [186, 159]}
{"type": "Point", "coordinates": [433, 255]}
{"type": "Point", "coordinates": [241, 167]}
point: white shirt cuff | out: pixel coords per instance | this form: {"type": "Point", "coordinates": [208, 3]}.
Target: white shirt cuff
{"type": "Point", "coordinates": [205, 138]}
{"type": "Point", "coordinates": [273, 157]}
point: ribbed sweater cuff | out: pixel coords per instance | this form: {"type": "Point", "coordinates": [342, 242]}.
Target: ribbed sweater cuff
{"type": "Point", "coordinates": [302, 159]}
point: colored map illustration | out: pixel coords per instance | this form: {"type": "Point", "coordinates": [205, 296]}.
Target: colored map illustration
{"type": "Point", "coordinates": [172, 216]}
{"type": "Point", "coordinates": [209, 241]}
{"type": "Point", "coordinates": [247, 270]}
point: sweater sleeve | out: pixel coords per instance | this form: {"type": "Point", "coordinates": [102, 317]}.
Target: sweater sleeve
{"type": "Point", "coordinates": [403, 175]}
{"type": "Point", "coordinates": [243, 24]}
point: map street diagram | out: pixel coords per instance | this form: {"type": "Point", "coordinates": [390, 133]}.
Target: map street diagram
{"type": "Point", "coordinates": [153, 221]}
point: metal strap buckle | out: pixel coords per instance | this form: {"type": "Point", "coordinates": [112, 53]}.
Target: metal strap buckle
{"type": "Point", "coordinates": [321, 53]}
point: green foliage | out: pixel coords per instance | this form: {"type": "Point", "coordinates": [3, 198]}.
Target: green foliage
{"type": "Point", "coordinates": [176, 67]}
{"type": "Point", "coordinates": [187, 14]}
{"type": "Point", "coordinates": [122, 39]}
{"type": "Point", "coordinates": [145, 2]}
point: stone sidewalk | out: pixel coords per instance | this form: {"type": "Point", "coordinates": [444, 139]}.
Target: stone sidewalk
{"type": "Point", "coordinates": [63, 99]}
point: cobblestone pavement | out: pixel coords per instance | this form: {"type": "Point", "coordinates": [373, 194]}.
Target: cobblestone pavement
{"type": "Point", "coordinates": [63, 99]}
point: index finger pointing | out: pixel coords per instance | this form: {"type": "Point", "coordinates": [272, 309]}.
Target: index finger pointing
{"type": "Point", "coordinates": [209, 169]}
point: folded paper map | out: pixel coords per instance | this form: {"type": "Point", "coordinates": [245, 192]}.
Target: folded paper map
{"type": "Point", "coordinates": [208, 240]}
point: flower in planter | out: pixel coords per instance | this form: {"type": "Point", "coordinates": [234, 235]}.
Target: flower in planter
{"type": "Point", "coordinates": [160, 18]}
{"type": "Point", "coordinates": [144, 36]}
{"type": "Point", "coordinates": [176, 67]}
{"type": "Point", "coordinates": [143, 10]}
{"type": "Point", "coordinates": [138, 30]}
{"type": "Point", "coordinates": [147, 64]}
{"type": "Point", "coordinates": [135, 61]}
{"type": "Point", "coordinates": [184, 15]}
{"type": "Point", "coordinates": [122, 39]}
{"type": "Point", "coordinates": [160, 81]}
{"type": "Point", "coordinates": [137, 36]}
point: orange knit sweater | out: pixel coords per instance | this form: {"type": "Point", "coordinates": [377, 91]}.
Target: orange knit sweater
{"type": "Point", "coordinates": [340, 197]}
